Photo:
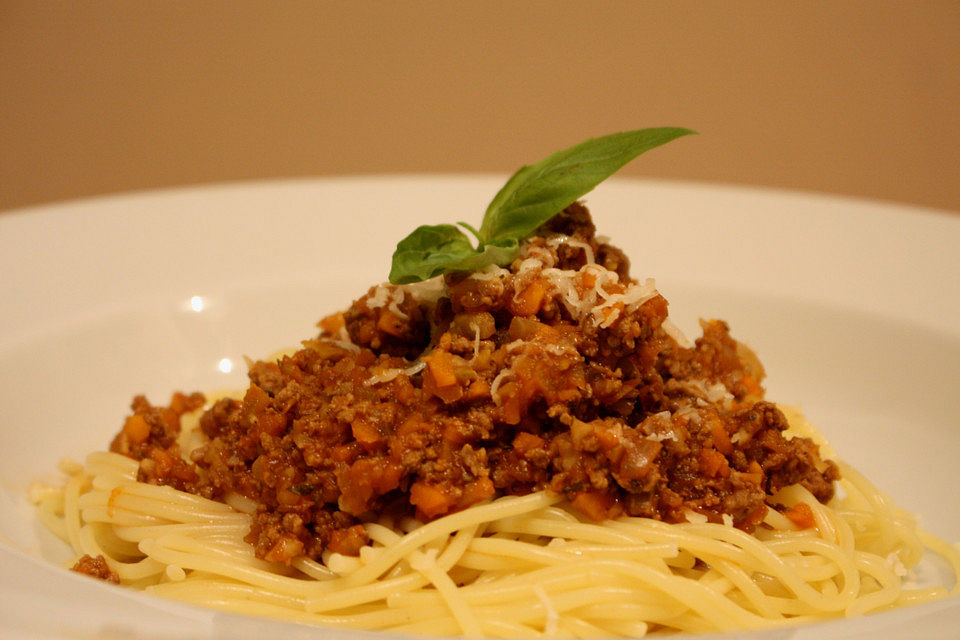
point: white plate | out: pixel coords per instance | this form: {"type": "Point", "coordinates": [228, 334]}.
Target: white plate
{"type": "Point", "coordinates": [853, 306]}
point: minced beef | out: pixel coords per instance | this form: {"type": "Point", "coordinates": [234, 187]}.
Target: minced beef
{"type": "Point", "coordinates": [555, 373]}
{"type": "Point", "coordinates": [96, 567]}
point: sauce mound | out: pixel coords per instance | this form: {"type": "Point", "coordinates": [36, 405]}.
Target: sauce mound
{"type": "Point", "coordinates": [559, 372]}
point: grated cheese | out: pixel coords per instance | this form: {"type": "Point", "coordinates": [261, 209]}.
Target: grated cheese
{"type": "Point", "coordinates": [557, 240]}
{"type": "Point", "coordinates": [389, 374]}
{"type": "Point", "coordinates": [384, 376]}
{"type": "Point", "coordinates": [633, 297]}
{"type": "Point", "coordinates": [427, 292]}
{"type": "Point", "coordinates": [497, 381]}
{"type": "Point", "coordinates": [489, 272]}
{"type": "Point", "coordinates": [476, 341]}
{"type": "Point", "coordinates": [390, 296]}
{"type": "Point", "coordinates": [674, 332]}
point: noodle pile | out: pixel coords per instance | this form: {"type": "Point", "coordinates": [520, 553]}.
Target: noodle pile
{"type": "Point", "coordinates": [523, 567]}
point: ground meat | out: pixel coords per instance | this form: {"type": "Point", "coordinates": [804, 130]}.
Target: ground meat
{"type": "Point", "coordinates": [96, 567]}
{"type": "Point", "coordinates": [555, 373]}
{"type": "Point", "coordinates": [150, 436]}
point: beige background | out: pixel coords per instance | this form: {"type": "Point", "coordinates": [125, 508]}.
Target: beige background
{"type": "Point", "coordinates": [859, 98]}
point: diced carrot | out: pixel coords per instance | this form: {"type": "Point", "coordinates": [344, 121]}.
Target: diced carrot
{"type": "Point", "coordinates": [595, 506]}
{"type": "Point", "coordinates": [170, 417]}
{"type": "Point", "coordinates": [447, 394]}
{"type": "Point", "coordinates": [754, 518]}
{"type": "Point", "coordinates": [287, 498]}
{"type": "Point", "coordinates": [713, 463]}
{"type": "Point", "coordinates": [525, 442]}
{"type": "Point", "coordinates": [607, 437]}
{"type": "Point", "coordinates": [440, 365]}
{"type": "Point", "coordinates": [286, 549]}
{"type": "Point", "coordinates": [478, 389]}
{"type": "Point", "coordinates": [801, 515]}
{"type": "Point", "coordinates": [271, 422]}
{"type": "Point", "coordinates": [412, 424]}
{"type": "Point", "coordinates": [136, 429]}
{"type": "Point", "coordinates": [589, 280]}
{"type": "Point", "coordinates": [364, 432]}
{"type": "Point", "coordinates": [510, 402]}
{"type": "Point", "coordinates": [721, 441]}
{"type": "Point", "coordinates": [440, 377]}
{"type": "Point", "coordinates": [391, 323]}
{"type": "Point", "coordinates": [430, 500]}
{"type": "Point", "coordinates": [348, 541]}
{"type": "Point", "coordinates": [528, 301]}
{"type": "Point", "coordinates": [163, 460]}
{"type": "Point", "coordinates": [474, 492]}
{"type": "Point", "coordinates": [525, 328]}
{"type": "Point", "coordinates": [332, 324]}
{"type": "Point", "coordinates": [255, 401]}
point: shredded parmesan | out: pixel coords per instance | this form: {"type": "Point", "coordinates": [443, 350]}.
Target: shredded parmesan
{"type": "Point", "coordinates": [389, 296]}
{"type": "Point", "coordinates": [660, 437]}
{"type": "Point", "coordinates": [510, 347]}
{"type": "Point", "coordinates": [489, 272]}
{"type": "Point", "coordinates": [476, 341]}
{"type": "Point", "coordinates": [343, 344]}
{"type": "Point", "coordinates": [389, 374]}
{"type": "Point", "coordinates": [427, 292]}
{"type": "Point", "coordinates": [497, 381]}
{"type": "Point", "coordinates": [558, 240]}
{"type": "Point", "coordinates": [384, 376]}
{"type": "Point", "coordinates": [379, 297]}
{"type": "Point", "coordinates": [674, 332]}
{"type": "Point", "coordinates": [544, 256]}
{"type": "Point", "coordinates": [528, 265]}
{"type": "Point", "coordinates": [701, 389]}
{"type": "Point", "coordinates": [415, 368]}
{"type": "Point", "coordinates": [633, 297]}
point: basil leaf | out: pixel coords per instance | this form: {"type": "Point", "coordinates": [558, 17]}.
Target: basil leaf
{"type": "Point", "coordinates": [498, 252]}
{"type": "Point", "coordinates": [432, 250]}
{"type": "Point", "coordinates": [538, 192]}
{"type": "Point", "coordinates": [533, 195]}
{"type": "Point", "coordinates": [428, 252]}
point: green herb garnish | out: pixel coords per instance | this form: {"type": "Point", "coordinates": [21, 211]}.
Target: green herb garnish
{"type": "Point", "coordinates": [533, 195]}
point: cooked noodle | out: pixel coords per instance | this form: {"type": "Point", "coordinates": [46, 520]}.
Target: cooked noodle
{"type": "Point", "coordinates": [514, 567]}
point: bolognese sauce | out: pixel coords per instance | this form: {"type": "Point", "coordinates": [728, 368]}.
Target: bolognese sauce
{"type": "Point", "coordinates": [557, 372]}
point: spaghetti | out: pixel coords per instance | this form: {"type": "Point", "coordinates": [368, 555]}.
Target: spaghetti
{"type": "Point", "coordinates": [514, 567]}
